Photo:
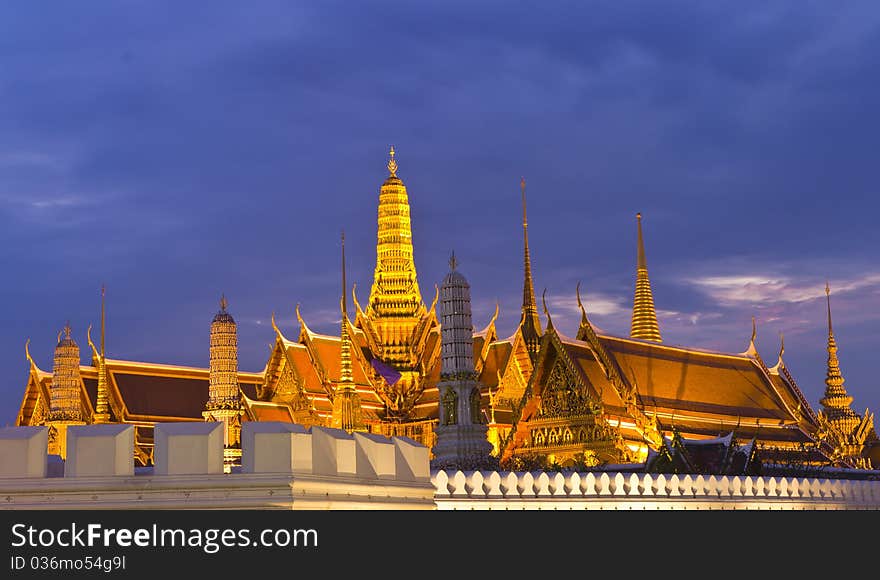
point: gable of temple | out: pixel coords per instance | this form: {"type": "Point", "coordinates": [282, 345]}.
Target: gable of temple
{"type": "Point", "coordinates": [562, 415]}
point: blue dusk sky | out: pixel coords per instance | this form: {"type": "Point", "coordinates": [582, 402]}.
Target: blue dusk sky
{"type": "Point", "coordinates": [176, 151]}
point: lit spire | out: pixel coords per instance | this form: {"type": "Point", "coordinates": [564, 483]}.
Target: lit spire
{"type": "Point", "coordinates": [530, 322]}
{"type": "Point", "coordinates": [395, 313]}
{"type": "Point", "coordinates": [836, 400]}
{"type": "Point", "coordinates": [346, 379]}
{"type": "Point", "coordinates": [347, 413]}
{"type": "Point", "coordinates": [102, 406]}
{"type": "Point", "coordinates": [644, 317]}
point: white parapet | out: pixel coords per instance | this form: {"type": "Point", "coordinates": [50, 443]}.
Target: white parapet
{"type": "Point", "coordinates": [188, 448]}
{"type": "Point", "coordinates": [376, 458]}
{"type": "Point", "coordinates": [23, 451]}
{"type": "Point", "coordinates": [99, 450]}
{"type": "Point", "coordinates": [333, 452]}
{"type": "Point", "coordinates": [275, 447]}
{"type": "Point", "coordinates": [412, 460]}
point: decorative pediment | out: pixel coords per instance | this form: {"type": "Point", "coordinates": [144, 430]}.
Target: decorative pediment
{"type": "Point", "coordinates": [565, 395]}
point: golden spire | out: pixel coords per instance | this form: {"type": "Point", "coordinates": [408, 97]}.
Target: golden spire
{"type": "Point", "coordinates": [644, 317]}
{"type": "Point", "coordinates": [395, 310]}
{"type": "Point", "coordinates": [836, 400]}
{"type": "Point", "coordinates": [224, 303]}
{"type": "Point", "coordinates": [346, 379]}
{"type": "Point", "coordinates": [347, 413]}
{"type": "Point", "coordinates": [529, 321]}
{"type": "Point", "coordinates": [392, 163]}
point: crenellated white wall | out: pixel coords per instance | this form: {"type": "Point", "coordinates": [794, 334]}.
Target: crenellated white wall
{"type": "Point", "coordinates": [492, 490]}
{"type": "Point", "coordinates": [284, 467]}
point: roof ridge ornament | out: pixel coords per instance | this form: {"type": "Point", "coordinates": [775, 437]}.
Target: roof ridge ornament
{"type": "Point", "coordinates": [752, 351]}
{"type": "Point", "coordinates": [546, 310]}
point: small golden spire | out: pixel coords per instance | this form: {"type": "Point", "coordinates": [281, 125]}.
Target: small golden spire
{"type": "Point", "coordinates": [223, 303]}
{"type": "Point", "coordinates": [837, 402]}
{"type": "Point", "coordinates": [529, 320]}
{"type": "Point", "coordinates": [644, 316]}
{"type": "Point", "coordinates": [392, 163]}
{"type": "Point", "coordinates": [453, 262]}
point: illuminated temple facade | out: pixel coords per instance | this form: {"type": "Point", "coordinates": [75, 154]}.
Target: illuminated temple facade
{"type": "Point", "coordinates": [536, 396]}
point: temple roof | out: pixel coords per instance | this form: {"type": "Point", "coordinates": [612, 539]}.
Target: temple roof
{"type": "Point", "coordinates": [150, 391]}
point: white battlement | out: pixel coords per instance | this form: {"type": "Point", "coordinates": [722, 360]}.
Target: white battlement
{"type": "Point", "coordinates": [283, 467]}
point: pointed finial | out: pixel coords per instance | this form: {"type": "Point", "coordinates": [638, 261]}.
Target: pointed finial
{"type": "Point", "coordinates": [546, 310]}
{"type": "Point", "coordinates": [828, 299]}
{"type": "Point", "coordinates": [344, 284]}
{"type": "Point", "coordinates": [642, 262]}
{"type": "Point", "coordinates": [779, 363]}
{"type": "Point", "coordinates": [27, 351]}
{"type": "Point", "coordinates": [754, 330]}
{"type": "Point", "coordinates": [275, 326]}
{"type": "Point", "coordinates": [67, 329]}
{"type": "Point", "coordinates": [223, 303]}
{"type": "Point", "coordinates": [392, 163]}
{"type": "Point", "coordinates": [453, 262]}
{"type": "Point", "coordinates": [577, 292]}
{"type": "Point", "coordinates": [522, 186]}
{"type": "Point", "coordinates": [103, 318]}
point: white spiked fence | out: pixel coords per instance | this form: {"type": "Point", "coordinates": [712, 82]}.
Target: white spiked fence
{"type": "Point", "coordinates": [602, 490]}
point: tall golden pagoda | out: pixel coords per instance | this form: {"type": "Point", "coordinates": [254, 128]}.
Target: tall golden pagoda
{"type": "Point", "coordinates": [396, 323]}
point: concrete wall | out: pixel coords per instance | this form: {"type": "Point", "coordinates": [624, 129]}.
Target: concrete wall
{"type": "Point", "coordinates": [284, 467]}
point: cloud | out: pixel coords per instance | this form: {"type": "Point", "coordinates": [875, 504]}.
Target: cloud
{"type": "Point", "coordinates": [732, 290]}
